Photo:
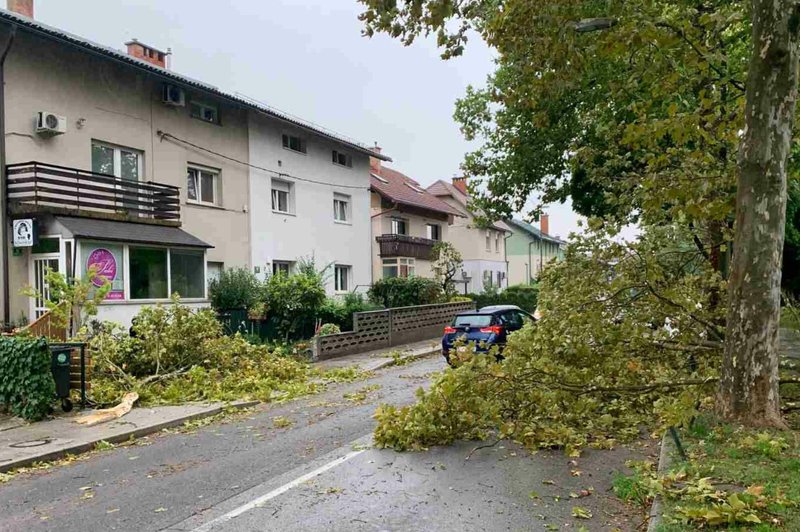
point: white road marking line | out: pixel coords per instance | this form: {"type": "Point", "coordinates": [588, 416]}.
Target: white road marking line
{"type": "Point", "coordinates": [276, 492]}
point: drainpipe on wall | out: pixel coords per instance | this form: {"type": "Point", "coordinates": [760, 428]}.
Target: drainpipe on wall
{"type": "Point", "coordinates": [530, 264]}
{"type": "Point", "coordinates": [509, 234]}
{"type": "Point", "coordinates": [4, 177]}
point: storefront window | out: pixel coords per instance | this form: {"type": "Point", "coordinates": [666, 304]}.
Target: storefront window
{"type": "Point", "coordinates": [107, 262]}
{"type": "Point", "coordinates": [148, 271]}
{"type": "Point", "coordinates": [186, 273]}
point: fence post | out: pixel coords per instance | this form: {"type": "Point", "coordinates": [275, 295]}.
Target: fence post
{"type": "Point", "coordinates": [391, 327]}
{"type": "Point", "coordinates": [315, 349]}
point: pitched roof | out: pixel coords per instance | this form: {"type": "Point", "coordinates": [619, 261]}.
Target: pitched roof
{"type": "Point", "coordinates": [400, 188]}
{"type": "Point", "coordinates": [534, 232]}
{"type": "Point", "coordinates": [443, 188]}
{"type": "Point", "coordinates": [60, 36]}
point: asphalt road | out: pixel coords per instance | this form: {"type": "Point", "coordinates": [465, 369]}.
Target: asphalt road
{"type": "Point", "coordinates": [318, 473]}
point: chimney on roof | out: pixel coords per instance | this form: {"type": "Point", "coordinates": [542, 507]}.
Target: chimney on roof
{"type": "Point", "coordinates": [461, 184]}
{"type": "Point", "coordinates": [544, 224]}
{"type": "Point", "coordinates": [374, 162]}
{"type": "Point", "coordinates": [147, 53]}
{"type": "Point", "coordinates": [21, 7]}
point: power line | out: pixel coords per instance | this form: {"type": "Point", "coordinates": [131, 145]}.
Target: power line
{"type": "Point", "coordinates": [164, 135]}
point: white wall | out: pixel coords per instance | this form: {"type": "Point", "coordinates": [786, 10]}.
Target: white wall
{"type": "Point", "coordinates": [476, 268]}
{"type": "Point", "coordinates": [124, 312]}
{"type": "Point", "coordinates": [311, 230]}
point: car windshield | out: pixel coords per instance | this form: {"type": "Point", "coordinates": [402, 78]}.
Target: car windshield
{"type": "Point", "coordinates": [473, 320]}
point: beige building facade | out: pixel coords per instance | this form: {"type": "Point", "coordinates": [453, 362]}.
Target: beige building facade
{"type": "Point", "coordinates": [483, 249]}
{"type": "Point", "coordinates": [406, 223]}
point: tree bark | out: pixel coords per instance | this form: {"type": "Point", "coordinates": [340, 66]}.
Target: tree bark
{"type": "Point", "coordinates": [748, 391]}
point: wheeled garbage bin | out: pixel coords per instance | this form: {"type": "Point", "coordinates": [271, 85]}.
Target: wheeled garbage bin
{"type": "Point", "coordinates": [59, 365]}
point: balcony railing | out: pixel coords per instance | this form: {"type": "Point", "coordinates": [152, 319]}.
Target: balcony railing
{"type": "Point", "coordinates": [405, 246]}
{"type": "Point", "coordinates": [40, 187]}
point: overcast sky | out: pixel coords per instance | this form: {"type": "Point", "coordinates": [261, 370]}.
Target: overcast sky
{"type": "Point", "coordinates": [308, 58]}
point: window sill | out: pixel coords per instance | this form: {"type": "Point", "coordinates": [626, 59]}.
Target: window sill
{"type": "Point", "coordinates": [153, 301]}
{"type": "Point", "coordinates": [340, 222]}
{"type": "Point", "coordinates": [342, 165]}
{"type": "Point", "coordinates": [195, 203]}
{"type": "Point", "coordinates": [282, 213]}
{"type": "Point", "coordinates": [298, 152]}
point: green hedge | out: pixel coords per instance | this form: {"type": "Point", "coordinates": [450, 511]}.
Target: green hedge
{"type": "Point", "coordinates": [27, 388]}
{"type": "Point", "coordinates": [405, 292]}
{"type": "Point", "coordinates": [521, 295]}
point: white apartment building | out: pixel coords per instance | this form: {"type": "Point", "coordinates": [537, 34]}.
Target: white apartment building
{"type": "Point", "coordinates": [309, 199]}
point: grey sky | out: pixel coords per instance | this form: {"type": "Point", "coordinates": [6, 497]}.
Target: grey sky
{"type": "Point", "coordinates": [308, 58]}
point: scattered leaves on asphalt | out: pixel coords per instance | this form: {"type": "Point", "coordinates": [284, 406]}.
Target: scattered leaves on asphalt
{"type": "Point", "coordinates": [581, 512]}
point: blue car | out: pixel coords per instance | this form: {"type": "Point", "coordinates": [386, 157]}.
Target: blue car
{"type": "Point", "coordinates": [486, 327]}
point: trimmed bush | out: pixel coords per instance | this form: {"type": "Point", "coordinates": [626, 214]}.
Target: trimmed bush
{"type": "Point", "coordinates": [405, 292]}
{"type": "Point", "coordinates": [26, 383]}
{"type": "Point", "coordinates": [329, 328]}
{"type": "Point", "coordinates": [522, 295]}
{"type": "Point", "coordinates": [237, 288]}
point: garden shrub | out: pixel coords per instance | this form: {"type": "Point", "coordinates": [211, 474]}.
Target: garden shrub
{"type": "Point", "coordinates": [329, 328]}
{"type": "Point", "coordinates": [27, 388]}
{"type": "Point", "coordinates": [293, 302]}
{"type": "Point", "coordinates": [521, 295]}
{"type": "Point", "coordinates": [236, 288]}
{"type": "Point", "coordinates": [405, 292]}
{"type": "Point", "coordinates": [340, 311]}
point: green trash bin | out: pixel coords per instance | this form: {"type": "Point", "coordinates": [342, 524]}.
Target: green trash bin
{"type": "Point", "coordinates": [59, 366]}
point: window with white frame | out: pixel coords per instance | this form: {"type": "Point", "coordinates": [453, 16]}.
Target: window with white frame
{"type": "Point", "coordinates": [281, 267]}
{"type": "Point", "coordinates": [282, 200]}
{"type": "Point", "coordinates": [342, 159]}
{"type": "Point", "coordinates": [434, 231]}
{"type": "Point", "coordinates": [497, 242]}
{"type": "Point", "coordinates": [294, 143]}
{"type": "Point", "coordinates": [487, 278]}
{"type": "Point", "coordinates": [202, 185]}
{"type": "Point", "coordinates": [204, 111]}
{"type": "Point", "coordinates": [214, 270]}
{"type": "Point", "coordinates": [399, 267]}
{"type": "Point", "coordinates": [118, 161]}
{"type": "Point", "coordinates": [488, 240]}
{"type": "Point", "coordinates": [341, 208]}
{"type": "Point", "coordinates": [399, 226]}
{"type": "Point", "coordinates": [341, 278]}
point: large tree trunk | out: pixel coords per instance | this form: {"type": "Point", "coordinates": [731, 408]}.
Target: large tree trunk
{"type": "Point", "coordinates": [748, 390]}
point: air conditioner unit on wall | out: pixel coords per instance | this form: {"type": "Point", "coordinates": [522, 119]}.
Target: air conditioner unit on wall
{"type": "Point", "coordinates": [173, 95]}
{"type": "Point", "coordinates": [49, 124]}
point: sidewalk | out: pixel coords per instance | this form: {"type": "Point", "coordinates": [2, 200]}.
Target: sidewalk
{"type": "Point", "coordinates": [24, 443]}
{"type": "Point", "coordinates": [380, 358]}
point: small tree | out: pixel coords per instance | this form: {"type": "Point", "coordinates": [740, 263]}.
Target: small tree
{"type": "Point", "coordinates": [446, 262]}
{"type": "Point", "coordinates": [72, 301]}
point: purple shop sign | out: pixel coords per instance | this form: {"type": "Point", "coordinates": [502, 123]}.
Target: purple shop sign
{"type": "Point", "coordinates": [105, 263]}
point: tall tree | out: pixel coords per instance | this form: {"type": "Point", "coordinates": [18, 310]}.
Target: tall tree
{"type": "Point", "coordinates": [749, 380]}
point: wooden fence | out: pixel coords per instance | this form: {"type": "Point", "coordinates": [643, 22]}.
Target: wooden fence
{"type": "Point", "coordinates": [386, 328]}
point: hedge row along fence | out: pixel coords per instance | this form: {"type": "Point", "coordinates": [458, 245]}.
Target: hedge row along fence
{"type": "Point", "coordinates": [27, 388]}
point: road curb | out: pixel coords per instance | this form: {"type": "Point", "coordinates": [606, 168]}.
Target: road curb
{"type": "Point", "coordinates": [664, 463]}
{"type": "Point", "coordinates": [80, 448]}
{"type": "Point", "coordinates": [409, 358]}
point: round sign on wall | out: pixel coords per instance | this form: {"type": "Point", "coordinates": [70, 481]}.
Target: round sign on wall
{"type": "Point", "coordinates": [105, 263]}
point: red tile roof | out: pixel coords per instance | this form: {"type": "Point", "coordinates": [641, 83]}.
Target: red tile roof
{"type": "Point", "coordinates": [400, 188]}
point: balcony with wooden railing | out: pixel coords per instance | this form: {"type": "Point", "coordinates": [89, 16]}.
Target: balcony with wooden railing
{"type": "Point", "coordinates": [36, 187]}
{"type": "Point", "coordinates": [405, 246]}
